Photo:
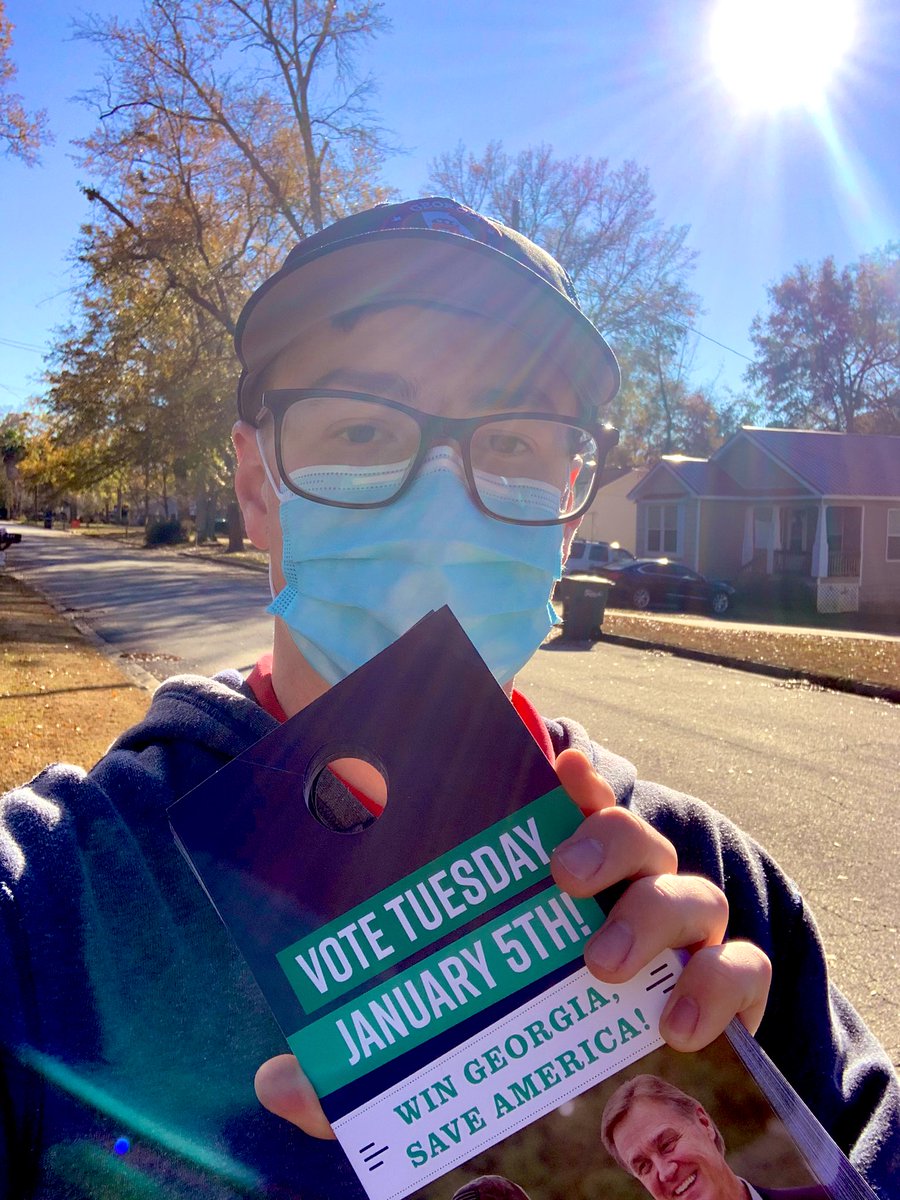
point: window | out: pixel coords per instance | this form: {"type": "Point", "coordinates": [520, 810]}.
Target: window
{"type": "Point", "coordinates": [662, 528]}
{"type": "Point", "coordinates": [893, 535]}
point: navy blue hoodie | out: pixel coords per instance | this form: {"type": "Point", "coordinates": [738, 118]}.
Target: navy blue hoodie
{"type": "Point", "coordinates": [127, 1057]}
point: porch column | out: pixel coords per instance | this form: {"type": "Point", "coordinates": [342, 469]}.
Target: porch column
{"type": "Point", "coordinates": [820, 549]}
{"type": "Point", "coordinates": [747, 544]}
{"type": "Point", "coordinates": [775, 539]}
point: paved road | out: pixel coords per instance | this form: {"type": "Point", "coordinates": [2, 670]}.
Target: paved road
{"type": "Point", "coordinates": [161, 610]}
{"type": "Point", "coordinates": [811, 774]}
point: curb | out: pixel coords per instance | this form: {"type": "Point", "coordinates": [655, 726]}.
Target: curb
{"type": "Point", "coordinates": [221, 560]}
{"type": "Point", "coordinates": [138, 676]}
{"type": "Point", "coordinates": [873, 691]}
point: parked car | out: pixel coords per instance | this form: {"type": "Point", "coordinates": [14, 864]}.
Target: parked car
{"type": "Point", "coordinates": [656, 582]}
{"type": "Point", "coordinates": [589, 558]}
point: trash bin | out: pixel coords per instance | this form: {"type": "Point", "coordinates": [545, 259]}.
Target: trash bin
{"type": "Point", "coordinates": [48, 520]}
{"type": "Point", "coordinates": [584, 603]}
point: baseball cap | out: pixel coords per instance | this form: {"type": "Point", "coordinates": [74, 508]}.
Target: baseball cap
{"type": "Point", "coordinates": [427, 251]}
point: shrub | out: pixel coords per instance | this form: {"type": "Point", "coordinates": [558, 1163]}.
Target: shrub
{"type": "Point", "coordinates": [165, 533]}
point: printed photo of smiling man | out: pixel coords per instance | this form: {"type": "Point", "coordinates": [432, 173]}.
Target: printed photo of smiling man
{"type": "Point", "coordinates": [669, 1143]}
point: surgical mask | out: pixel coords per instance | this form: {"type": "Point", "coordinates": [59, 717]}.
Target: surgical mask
{"type": "Point", "coordinates": [357, 579]}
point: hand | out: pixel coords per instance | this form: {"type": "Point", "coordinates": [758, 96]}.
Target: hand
{"type": "Point", "coordinates": [284, 1090]}
{"type": "Point", "coordinates": [659, 910]}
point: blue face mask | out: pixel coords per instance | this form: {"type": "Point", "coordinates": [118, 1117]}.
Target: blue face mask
{"type": "Point", "coordinates": [357, 579]}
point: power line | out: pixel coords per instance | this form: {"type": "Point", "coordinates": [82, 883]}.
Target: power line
{"type": "Point", "coordinates": [721, 345]}
{"type": "Point", "coordinates": [22, 346]}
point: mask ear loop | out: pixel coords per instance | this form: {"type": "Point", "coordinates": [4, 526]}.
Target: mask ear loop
{"type": "Point", "coordinates": [281, 491]}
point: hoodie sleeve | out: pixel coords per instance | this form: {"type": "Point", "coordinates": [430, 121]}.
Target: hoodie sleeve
{"type": "Point", "coordinates": [810, 1030]}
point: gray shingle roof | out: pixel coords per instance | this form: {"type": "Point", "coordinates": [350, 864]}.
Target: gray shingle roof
{"type": "Point", "coordinates": [836, 464]}
{"type": "Point", "coordinates": [704, 477]}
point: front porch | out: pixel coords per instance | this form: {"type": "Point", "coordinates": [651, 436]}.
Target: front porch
{"type": "Point", "coordinates": [818, 544]}
{"type": "Point", "coordinates": [840, 565]}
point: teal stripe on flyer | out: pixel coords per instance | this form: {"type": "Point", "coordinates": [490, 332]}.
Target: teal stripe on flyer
{"type": "Point", "coordinates": [374, 936]}
{"type": "Point", "coordinates": [486, 965]}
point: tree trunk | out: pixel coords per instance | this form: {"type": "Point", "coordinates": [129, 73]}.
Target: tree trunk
{"type": "Point", "coordinates": [201, 521]}
{"type": "Point", "coordinates": [235, 528]}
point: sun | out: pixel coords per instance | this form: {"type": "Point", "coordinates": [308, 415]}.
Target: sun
{"type": "Point", "coordinates": [778, 54]}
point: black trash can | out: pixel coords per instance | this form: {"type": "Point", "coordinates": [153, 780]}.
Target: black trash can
{"type": "Point", "coordinates": [584, 603]}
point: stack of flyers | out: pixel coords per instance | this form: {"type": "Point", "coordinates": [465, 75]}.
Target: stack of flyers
{"type": "Point", "coordinates": [382, 862]}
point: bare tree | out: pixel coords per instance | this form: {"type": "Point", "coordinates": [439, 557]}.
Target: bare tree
{"type": "Point", "coordinates": [630, 270]}
{"type": "Point", "coordinates": [628, 267]}
{"type": "Point", "coordinates": [228, 129]}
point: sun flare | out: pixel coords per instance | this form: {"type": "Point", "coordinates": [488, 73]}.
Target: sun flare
{"type": "Point", "coordinates": [778, 54]}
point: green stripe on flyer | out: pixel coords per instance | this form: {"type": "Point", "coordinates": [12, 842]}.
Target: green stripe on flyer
{"type": "Point", "coordinates": [447, 893]}
{"type": "Point", "coordinates": [490, 963]}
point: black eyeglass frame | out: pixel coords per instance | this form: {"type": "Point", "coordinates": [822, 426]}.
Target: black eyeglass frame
{"type": "Point", "coordinates": [433, 429]}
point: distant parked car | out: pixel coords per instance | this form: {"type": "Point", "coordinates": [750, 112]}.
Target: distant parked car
{"type": "Point", "coordinates": [588, 558]}
{"type": "Point", "coordinates": [658, 583]}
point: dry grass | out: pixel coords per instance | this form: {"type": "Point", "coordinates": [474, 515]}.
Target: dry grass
{"type": "Point", "coordinates": [871, 660]}
{"type": "Point", "coordinates": [60, 699]}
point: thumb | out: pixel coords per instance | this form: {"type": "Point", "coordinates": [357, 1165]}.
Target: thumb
{"type": "Point", "coordinates": [586, 788]}
{"type": "Point", "coordinates": [284, 1090]}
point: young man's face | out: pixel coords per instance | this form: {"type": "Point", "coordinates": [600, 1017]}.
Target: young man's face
{"type": "Point", "coordinates": [674, 1155]}
{"type": "Point", "coordinates": [434, 360]}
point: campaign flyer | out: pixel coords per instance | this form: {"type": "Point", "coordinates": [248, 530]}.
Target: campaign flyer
{"type": "Point", "coordinates": [382, 861]}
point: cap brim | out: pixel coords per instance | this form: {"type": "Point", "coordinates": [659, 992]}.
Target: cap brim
{"type": "Point", "coordinates": [421, 266]}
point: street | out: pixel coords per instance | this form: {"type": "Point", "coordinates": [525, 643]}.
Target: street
{"type": "Point", "coordinates": [810, 774]}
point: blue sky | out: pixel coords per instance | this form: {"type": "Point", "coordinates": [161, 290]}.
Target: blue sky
{"type": "Point", "coordinates": [615, 78]}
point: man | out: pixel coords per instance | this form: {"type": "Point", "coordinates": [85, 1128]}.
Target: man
{"type": "Point", "coordinates": [420, 423]}
{"type": "Point", "coordinates": [671, 1145]}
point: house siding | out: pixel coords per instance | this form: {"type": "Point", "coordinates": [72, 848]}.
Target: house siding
{"type": "Point", "coordinates": [688, 530]}
{"type": "Point", "coordinates": [721, 538]}
{"type": "Point", "coordinates": [879, 590]}
{"type": "Point", "coordinates": [613, 517]}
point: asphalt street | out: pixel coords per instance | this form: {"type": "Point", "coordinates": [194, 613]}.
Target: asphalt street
{"type": "Point", "coordinates": [811, 774]}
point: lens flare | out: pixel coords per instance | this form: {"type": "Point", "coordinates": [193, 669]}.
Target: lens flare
{"type": "Point", "coordinates": [778, 54]}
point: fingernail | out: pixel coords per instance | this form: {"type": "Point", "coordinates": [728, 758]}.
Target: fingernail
{"type": "Point", "coordinates": [682, 1020]}
{"type": "Point", "coordinates": [582, 858]}
{"type": "Point", "coordinates": [610, 946]}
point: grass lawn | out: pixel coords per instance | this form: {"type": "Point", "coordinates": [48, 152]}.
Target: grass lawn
{"type": "Point", "coordinates": [60, 698]}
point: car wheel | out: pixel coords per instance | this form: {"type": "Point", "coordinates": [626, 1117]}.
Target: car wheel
{"type": "Point", "coordinates": [640, 597]}
{"type": "Point", "coordinates": [721, 602]}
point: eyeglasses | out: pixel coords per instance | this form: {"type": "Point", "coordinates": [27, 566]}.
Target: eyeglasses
{"type": "Point", "coordinates": [353, 450]}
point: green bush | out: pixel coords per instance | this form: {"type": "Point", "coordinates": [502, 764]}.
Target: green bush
{"type": "Point", "coordinates": [165, 533]}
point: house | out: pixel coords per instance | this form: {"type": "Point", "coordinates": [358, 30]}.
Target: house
{"type": "Point", "coordinates": [612, 516]}
{"type": "Point", "coordinates": [821, 507]}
